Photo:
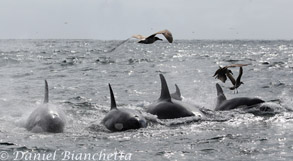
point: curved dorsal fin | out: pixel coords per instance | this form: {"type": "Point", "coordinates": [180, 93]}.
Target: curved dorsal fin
{"type": "Point", "coordinates": [177, 90]}
{"type": "Point", "coordinates": [113, 102]}
{"type": "Point", "coordinates": [165, 94]}
{"type": "Point", "coordinates": [177, 94]}
{"type": "Point", "coordinates": [221, 97]}
{"type": "Point", "coordinates": [46, 100]}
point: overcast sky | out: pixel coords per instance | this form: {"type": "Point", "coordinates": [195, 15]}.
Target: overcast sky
{"type": "Point", "coordinates": [119, 19]}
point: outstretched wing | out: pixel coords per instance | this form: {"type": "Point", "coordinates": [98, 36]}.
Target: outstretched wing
{"type": "Point", "coordinates": [167, 34]}
{"type": "Point", "coordinates": [139, 37]}
{"type": "Point", "coordinates": [229, 75]}
{"type": "Point", "coordinates": [114, 48]}
{"type": "Point", "coordinates": [239, 75]}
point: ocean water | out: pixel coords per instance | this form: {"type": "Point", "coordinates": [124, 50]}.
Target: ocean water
{"type": "Point", "coordinates": [78, 73]}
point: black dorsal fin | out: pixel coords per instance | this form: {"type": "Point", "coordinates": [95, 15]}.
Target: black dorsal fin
{"type": "Point", "coordinates": [165, 94]}
{"type": "Point", "coordinates": [113, 102]}
{"type": "Point", "coordinates": [221, 97]}
{"type": "Point", "coordinates": [46, 100]}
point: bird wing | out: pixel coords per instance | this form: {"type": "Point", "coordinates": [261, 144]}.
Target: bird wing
{"type": "Point", "coordinates": [239, 75]}
{"type": "Point", "coordinates": [119, 44]}
{"type": "Point", "coordinates": [153, 35]}
{"type": "Point", "coordinates": [221, 74]}
{"type": "Point", "coordinates": [167, 34]}
{"type": "Point", "coordinates": [139, 37]}
{"type": "Point", "coordinates": [229, 75]}
{"type": "Point", "coordinates": [218, 70]}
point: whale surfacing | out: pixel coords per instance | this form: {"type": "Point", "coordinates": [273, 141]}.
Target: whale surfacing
{"type": "Point", "coordinates": [122, 119]}
{"type": "Point", "coordinates": [168, 108]}
{"type": "Point", "coordinates": [46, 118]}
{"type": "Point", "coordinates": [224, 104]}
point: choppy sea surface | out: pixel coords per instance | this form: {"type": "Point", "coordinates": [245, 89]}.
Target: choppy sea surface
{"type": "Point", "coordinates": [78, 73]}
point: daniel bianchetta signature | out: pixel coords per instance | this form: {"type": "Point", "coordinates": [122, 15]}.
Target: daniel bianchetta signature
{"type": "Point", "coordinates": [65, 155]}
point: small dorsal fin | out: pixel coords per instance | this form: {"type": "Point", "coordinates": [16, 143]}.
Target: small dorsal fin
{"type": "Point", "coordinates": [165, 94]}
{"type": "Point", "coordinates": [177, 90]}
{"type": "Point", "coordinates": [113, 102]}
{"type": "Point", "coordinates": [46, 100]}
{"type": "Point", "coordinates": [221, 97]}
{"type": "Point", "coordinates": [177, 94]}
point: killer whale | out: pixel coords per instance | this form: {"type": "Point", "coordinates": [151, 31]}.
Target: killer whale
{"type": "Point", "coordinates": [47, 117]}
{"type": "Point", "coordinates": [122, 119]}
{"type": "Point", "coordinates": [167, 108]}
{"type": "Point", "coordinates": [224, 104]}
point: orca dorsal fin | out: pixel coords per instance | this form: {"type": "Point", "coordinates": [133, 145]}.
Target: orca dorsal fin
{"type": "Point", "coordinates": [220, 95]}
{"type": "Point", "coordinates": [46, 100]}
{"type": "Point", "coordinates": [113, 102]}
{"type": "Point", "coordinates": [177, 94]}
{"type": "Point", "coordinates": [165, 94]}
{"type": "Point", "coordinates": [177, 90]}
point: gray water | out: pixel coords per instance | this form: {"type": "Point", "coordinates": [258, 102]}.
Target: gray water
{"type": "Point", "coordinates": [78, 72]}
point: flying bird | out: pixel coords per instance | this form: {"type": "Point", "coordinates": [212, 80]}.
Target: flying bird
{"type": "Point", "coordinates": [152, 38]}
{"type": "Point", "coordinates": [146, 40]}
{"type": "Point", "coordinates": [238, 82]}
{"type": "Point", "coordinates": [223, 72]}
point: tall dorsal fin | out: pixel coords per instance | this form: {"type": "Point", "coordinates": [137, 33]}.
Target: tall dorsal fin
{"type": "Point", "coordinates": [165, 94]}
{"type": "Point", "coordinates": [113, 102]}
{"type": "Point", "coordinates": [221, 97]}
{"type": "Point", "coordinates": [46, 100]}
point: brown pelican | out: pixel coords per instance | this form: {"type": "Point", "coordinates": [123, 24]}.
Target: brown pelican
{"type": "Point", "coordinates": [152, 38]}
{"type": "Point", "coordinates": [147, 40]}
